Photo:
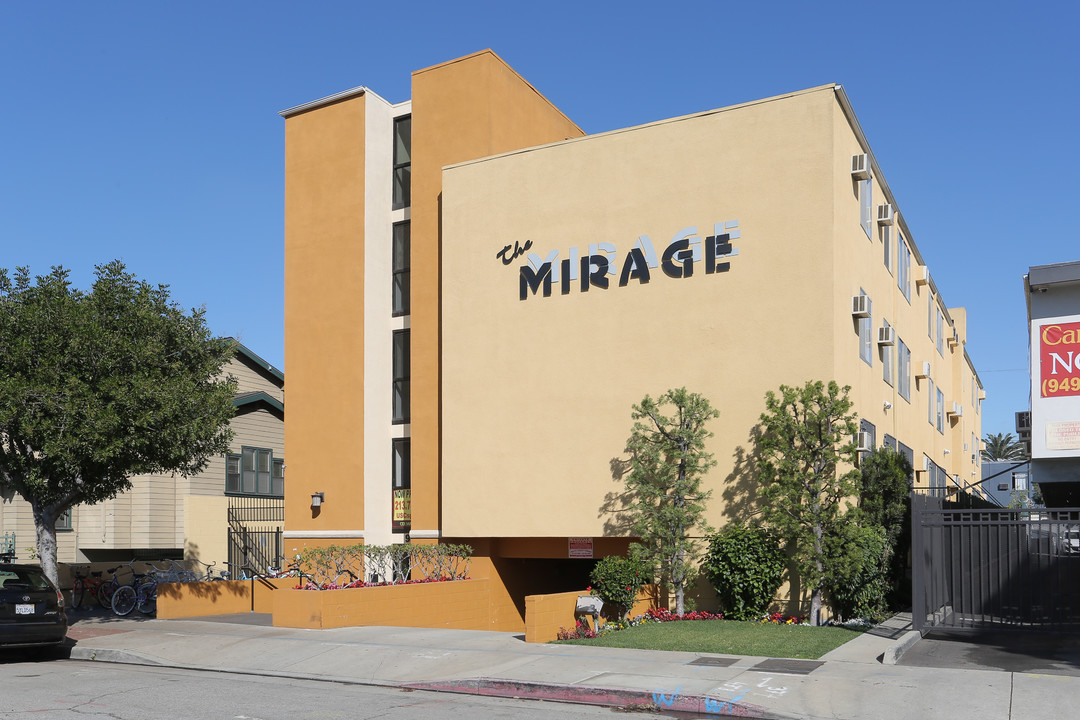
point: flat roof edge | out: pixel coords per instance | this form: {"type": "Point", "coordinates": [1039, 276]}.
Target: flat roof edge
{"type": "Point", "coordinates": [328, 100]}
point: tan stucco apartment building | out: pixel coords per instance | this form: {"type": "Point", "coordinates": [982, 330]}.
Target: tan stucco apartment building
{"type": "Point", "coordinates": [476, 293]}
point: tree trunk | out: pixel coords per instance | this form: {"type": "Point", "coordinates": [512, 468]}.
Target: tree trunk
{"type": "Point", "coordinates": [45, 525]}
{"type": "Point", "coordinates": [815, 596]}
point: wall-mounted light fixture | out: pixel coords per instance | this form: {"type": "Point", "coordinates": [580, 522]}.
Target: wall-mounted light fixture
{"type": "Point", "coordinates": [887, 405]}
{"type": "Point", "coordinates": [317, 499]}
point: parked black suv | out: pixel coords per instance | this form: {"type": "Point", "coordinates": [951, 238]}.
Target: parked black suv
{"type": "Point", "coordinates": [31, 608]}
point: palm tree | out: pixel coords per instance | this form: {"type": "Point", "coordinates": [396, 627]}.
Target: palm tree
{"type": "Point", "coordinates": [1003, 447]}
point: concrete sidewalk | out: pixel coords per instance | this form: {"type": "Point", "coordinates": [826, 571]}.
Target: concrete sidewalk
{"type": "Point", "coordinates": [849, 682]}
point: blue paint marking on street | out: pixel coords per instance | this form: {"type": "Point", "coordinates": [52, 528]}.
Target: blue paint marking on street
{"type": "Point", "coordinates": [659, 698]}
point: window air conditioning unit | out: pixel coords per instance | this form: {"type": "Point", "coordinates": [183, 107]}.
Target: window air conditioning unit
{"type": "Point", "coordinates": [860, 305]}
{"type": "Point", "coordinates": [860, 167]}
{"type": "Point", "coordinates": [924, 372]}
{"type": "Point", "coordinates": [957, 410]}
{"type": "Point", "coordinates": [886, 336]}
{"type": "Point", "coordinates": [885, 214]}
{"type": "Point", "coordinates": [922, 275]}
{"type": "Point", "coordinates": [862, 442]}
{"type": "Point", "coordinates": [1023, 422]}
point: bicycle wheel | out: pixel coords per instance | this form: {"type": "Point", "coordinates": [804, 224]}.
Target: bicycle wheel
{"type": "Point", "coordinates": [78, 592]}
{"type": "Point", "coordinates": [124, 600]}
{"type": "Point", "coordinates": [104, 594]}
{"type": "Point", "coordinates": [147, 598]}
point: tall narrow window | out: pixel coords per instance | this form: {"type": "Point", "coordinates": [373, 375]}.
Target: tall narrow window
{"type": "Point", "coordinates": [401, 376]}
{"type": "Point", "coordinates": [930, 315]}
{"type": "Point", "coordinates": [903, 266]}
{"type": "Point", "coordinates": [940, 333]}
{"type": "Point", "coordinates": [401, 484]}
{"type": "Point", "coordinates": [940, 411]}
{"type": "Point", "coordinates": [866, 332]}
{"type": "Point", "coordinates": [401, 269]}
{"type": "Point", "coordinates": [402, 162]}
{"type": "Point", "coordinates": [866, 206]}
{"type": "Point", "coordinates": [886, 242]}
{"type": "Point", "coordinates": [887, 359]}
{"type": "Point", "coordinates": [930, 400]}
{"type": "Point", "coordinates": [904, 370]}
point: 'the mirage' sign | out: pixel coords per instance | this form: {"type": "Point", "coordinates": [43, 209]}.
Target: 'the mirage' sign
{"type": "Point", "coordinates": [686, 249]}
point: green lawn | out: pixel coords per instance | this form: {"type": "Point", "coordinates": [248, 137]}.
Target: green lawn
{"type": "Point", "coordinates": [728, 637]}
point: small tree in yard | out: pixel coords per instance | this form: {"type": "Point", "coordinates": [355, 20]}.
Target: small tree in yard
{"type": "Point", "coordinates": [806, 438]}
{"type": "Point", "coordinates": [667, 462]}
{"type": "Point", "coordinates": [746, 567]}
{"type": "Point", "coordinates": [98, 386]}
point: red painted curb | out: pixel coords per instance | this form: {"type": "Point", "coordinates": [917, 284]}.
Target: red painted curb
{"type": "Point", "coordinates": [609, 697]}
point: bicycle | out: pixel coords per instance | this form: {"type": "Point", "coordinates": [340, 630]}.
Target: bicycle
{"type": "Point", "coordinates": [141, 593]}
{"type": "Point", "coordinates": [89, 584]}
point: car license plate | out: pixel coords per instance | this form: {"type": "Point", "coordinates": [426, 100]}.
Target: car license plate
{"type": "Point", "coordinates": [24, 609]}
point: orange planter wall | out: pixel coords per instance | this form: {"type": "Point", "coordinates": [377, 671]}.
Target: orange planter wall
{"type": "Point", "coordinates": [462, 604]}
{"type": "Point", "coordinates": [545, 615]}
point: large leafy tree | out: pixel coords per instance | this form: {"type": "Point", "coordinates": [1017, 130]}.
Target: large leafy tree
{"type": "Point", "coordinates": [667, 462]}
{"type": "Point", "coordinates": [1003, 446]}
{"type": "Point", "coordinates": [98, 386]}
{"type": "Point", "coordinates": [807, 478]}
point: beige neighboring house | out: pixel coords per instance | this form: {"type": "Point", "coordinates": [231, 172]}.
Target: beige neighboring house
{"type": "Point", "coordinates": [237, 498]}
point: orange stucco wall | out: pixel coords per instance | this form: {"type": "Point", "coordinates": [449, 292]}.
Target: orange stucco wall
{"type": "Point", "coordinates": [461, 604]}
{"type": "Point", "coordinates": [195, 599]}
{"type": "Point", "coordinates": [464, 109]}
{"type": "Point", "coordinates": [324, 302]}
{"type": "Point", "coordinates": [545, 615]}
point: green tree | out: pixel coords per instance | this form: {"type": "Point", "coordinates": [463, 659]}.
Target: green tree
{"type": "Point", "coordinates": [806, 440]}
{"type": "Point", "coordinates": [885, 491]}
{"type": "Point", "coordinates": [1003, 446]}
{"type": "Point", "coordinates": [98, 386]}
{"type": "Point", "coordinates": [667, 462]}
{"type": "Point", "coordinates": [746, 567]}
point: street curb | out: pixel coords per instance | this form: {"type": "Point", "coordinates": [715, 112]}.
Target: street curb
{"type": "Point", "coordinates": [609, 697]}
{"type": "Point", "coordinates": [622, 698]}
{"type": "Point", "coordinates": [113, 656]}
{"type": "Point", "coordinates": [894, 652]}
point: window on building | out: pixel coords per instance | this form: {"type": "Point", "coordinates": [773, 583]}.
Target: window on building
{"type": "Point", "coordinates": [64, 521]}
{"type": "Point", "coordinates": [401, 269]}
{"type": "Point", "coordinates": [940, 412]}
{"type": "Point", "coordinates": [887, 359]}
{"type": "Point", "coordinates": [866, 206]}
{"type": "Point", "coordinates": [866, 332]}
{"type": "Point", "coordinates": [255, 471]}
{"type": "Point", "coordinates": [401, 376]}
{"type": "Point", "coordinates": [402, 162]}
{"type": "Point", "coordinates": [940, 333]}
{"type": "Point", "coordinates": [930, 315]}
{"type": "Point", "coordinates": [903, 384]}
{"type": "Point", "coordinates": [401, 484]}
{"type": "Point", "coordinates": [886, 242]}
{"type": "Point", "coordinates": [903, 266]}
{"type": "Point", "coordinates": [930, 401]}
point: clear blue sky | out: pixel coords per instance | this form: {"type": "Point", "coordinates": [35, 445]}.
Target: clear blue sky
{"type": "Point", "coordinates": [148, 131]}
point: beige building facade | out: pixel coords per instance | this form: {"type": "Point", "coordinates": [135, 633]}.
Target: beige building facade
{"type": "Point", "coordinates": [554, 280]}
{"type": "Point", "coordinates": [177, 517]}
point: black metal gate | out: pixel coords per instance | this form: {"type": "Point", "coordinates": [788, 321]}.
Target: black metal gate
{"type": "Point", "coordinates": [255, 534]}
{"type": "Point", "coordinates": [979, 568]}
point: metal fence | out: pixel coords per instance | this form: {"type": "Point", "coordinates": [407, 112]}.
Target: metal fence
{"type": "Point", "coordinates": [254, 549]}
{"type": "Point", "coordinates": [976, 567]}
{"type": "Point", "coordinates": [255, 534]}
